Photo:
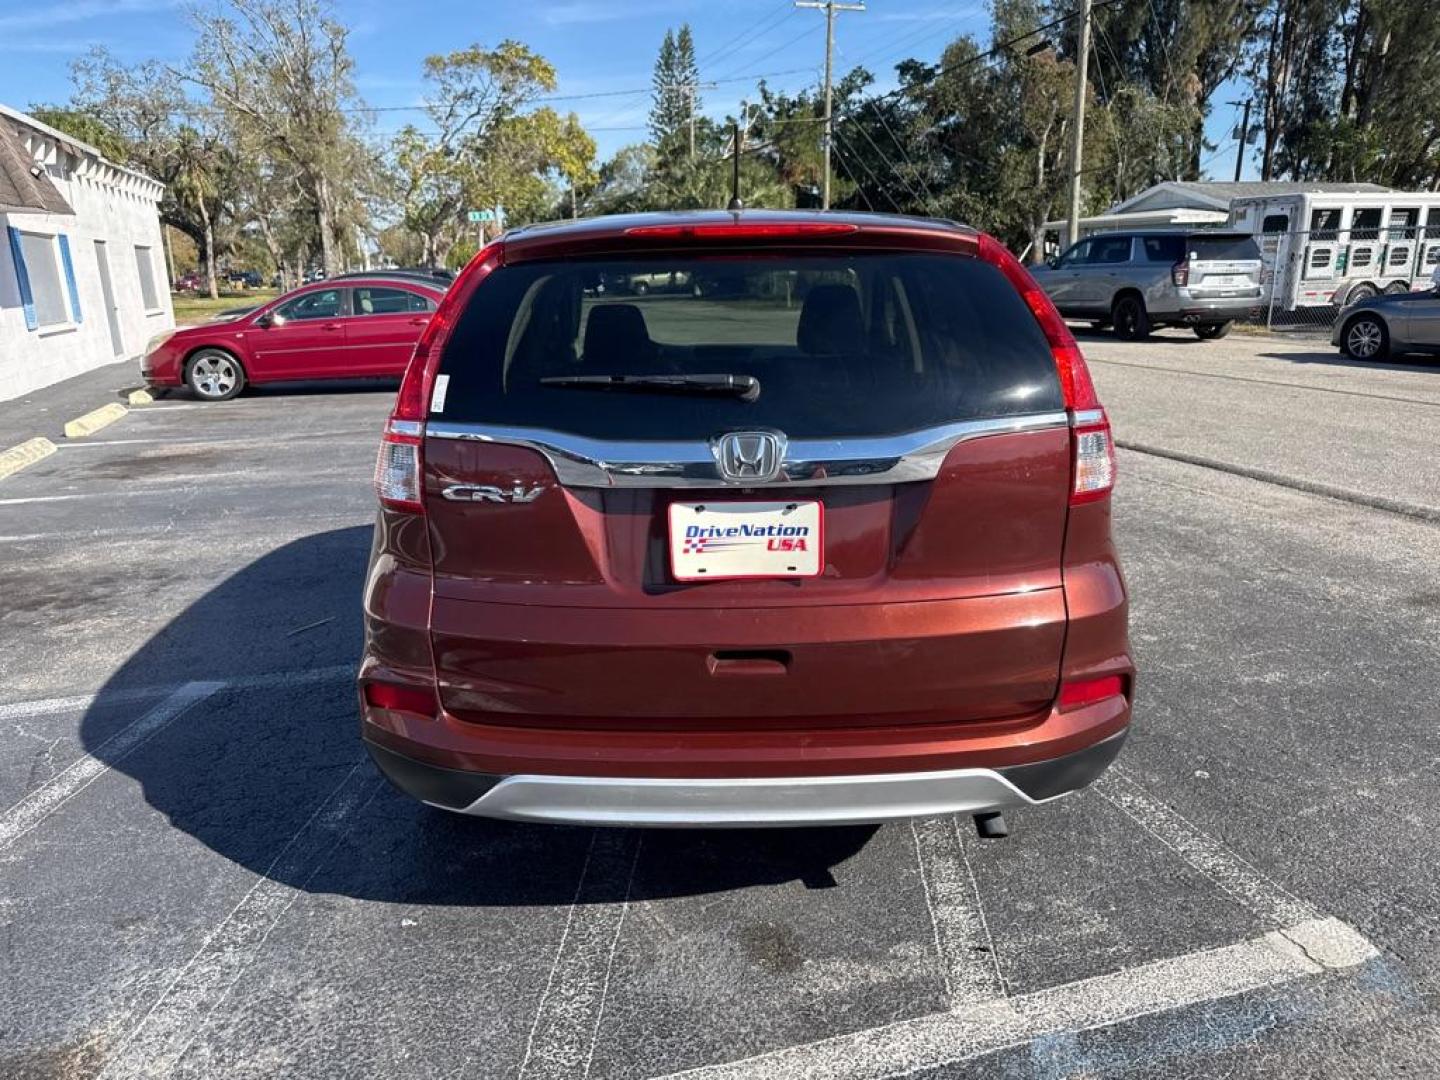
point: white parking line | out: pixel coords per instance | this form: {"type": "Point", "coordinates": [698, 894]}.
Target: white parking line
{"type": "Point", "coordinates": [40, 803]}
{"type": "Point", "coordinates": [561, 1045]}
{"type": "Point", "coordinates": [105, 698]}
{"type": "Point", "coordinates": [48, 706]}
{"type": "Point", "coordinates": [158, 1042]}
{"type": "Point", "coordinates": [940, 1039]}
{"type": "Point", "coordinates": [1229, 871]}
{"type": "Point", "coordinates": [956, 918]}
{"type": "Point", "coordinates": [1303, 944]}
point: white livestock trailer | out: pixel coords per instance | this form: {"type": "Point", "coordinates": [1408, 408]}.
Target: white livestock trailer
{"type": "Point", "coordinates": [1329, 249]}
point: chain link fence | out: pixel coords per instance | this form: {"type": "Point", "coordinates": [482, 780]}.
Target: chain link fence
{"type": "Point", "coordinates": [1309, 276]}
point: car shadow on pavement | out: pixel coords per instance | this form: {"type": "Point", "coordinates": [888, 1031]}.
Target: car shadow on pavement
{"type": "Point", "coordinates": [1165, 335]}
{"type": "Point", "coordinates": [259, 768]}
{"type": "Point", "coordinates": [1334, 358]}
{"type": "Point", "coordinates": [298, 389]}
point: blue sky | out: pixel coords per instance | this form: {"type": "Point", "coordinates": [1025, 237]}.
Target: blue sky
{"type": "Point", "coordinates": [599, 48]}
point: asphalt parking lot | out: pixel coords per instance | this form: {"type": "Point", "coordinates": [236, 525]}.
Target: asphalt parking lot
{"type": "Point", "coordinates": [201, 874]}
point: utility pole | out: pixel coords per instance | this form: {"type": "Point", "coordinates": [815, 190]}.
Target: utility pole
{"type": "Point", "coordinates": [1077, 145]}
{"type": "Point", "coordinates": [1244, 137]}
{"type": "Point", "coordinates": [690, 90]}
{"type": "Point", "coordinates": [830, 7]}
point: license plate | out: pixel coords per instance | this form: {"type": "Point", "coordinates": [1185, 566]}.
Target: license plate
{"type": "Point", "coordinates": [1225, 281]}
{"type": "Point", "coordinates": [717, 540]}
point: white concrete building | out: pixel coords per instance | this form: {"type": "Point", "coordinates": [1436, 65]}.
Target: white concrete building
{"type": "Point", "coordinates": [82, 268]}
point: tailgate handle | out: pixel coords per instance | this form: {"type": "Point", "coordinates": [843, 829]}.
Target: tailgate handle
{"type": "Point", "coordinates": [748, 662]}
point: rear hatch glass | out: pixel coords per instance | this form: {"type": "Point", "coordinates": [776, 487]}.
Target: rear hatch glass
{"type": "Point", "coordinates": [1223, 248]}
{"type": "Point", "coordinates": [934, 597]}
{"type": "Point", "coordinates": [841, 346]}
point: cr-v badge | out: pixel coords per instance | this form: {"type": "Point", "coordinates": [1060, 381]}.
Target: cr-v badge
{"type": "Point", "coordinates": [486, 493]}
{"type": "Point", "coordinates": [749, 456]}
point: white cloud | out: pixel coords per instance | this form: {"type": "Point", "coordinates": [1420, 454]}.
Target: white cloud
{"type": "Point", "coordinates": [44, 18]}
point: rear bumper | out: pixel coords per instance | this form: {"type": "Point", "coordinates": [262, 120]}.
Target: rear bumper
{"type": "Point", "coordinates": [1217, 311]}
{"type": "Point", "coordinates": [746, 802]}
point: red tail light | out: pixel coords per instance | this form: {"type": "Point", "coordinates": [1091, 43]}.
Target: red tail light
{"type": "Point", "coordinates": [397, 469]}
{"type": "Point", "coordinates": [1092, 447]}
{"type": "Point", "coordinates": [400, 698]}
{"type": "Point", "coordinates": [744, 231]}
{"type": "Point", "coordinates": [1180, 274]}
{"type": "Point", "coordinates": [1088, 691]}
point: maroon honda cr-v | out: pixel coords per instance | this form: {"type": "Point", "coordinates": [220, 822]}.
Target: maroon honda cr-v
{"type": "Point", "coordinates": [742, 519]}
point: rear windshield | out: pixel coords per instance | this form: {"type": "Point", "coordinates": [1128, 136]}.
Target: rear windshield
{"type": "Point", "coordinates": [1223, 248]}
{"type": "Point", "coordinates": [862, 344]}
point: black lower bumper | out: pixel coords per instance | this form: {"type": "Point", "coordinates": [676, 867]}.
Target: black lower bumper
{"type": "Point", "coordinates": [1217, 313]}
{"type": "Point", "coordinates": [1046, 779]}
{"type": "Point", "coordinates": [454, 789]}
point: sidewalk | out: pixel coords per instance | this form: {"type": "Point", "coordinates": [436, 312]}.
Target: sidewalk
{"type": "Point", "coordinates": [45, 411]}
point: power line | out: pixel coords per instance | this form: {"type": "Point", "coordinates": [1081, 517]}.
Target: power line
{"type": "Point", "coordinates": [747, 36]}
{"type": "Point", "coordinates": [784, 45]}
{"type": "Point", "coordinates": [859, 187]}
{"type": "Point", "coordinates": [924, 200]}
{"type": "Point", "coordinates": [912, 36]}
{"type": "Point", "coordinates": [879, 187]}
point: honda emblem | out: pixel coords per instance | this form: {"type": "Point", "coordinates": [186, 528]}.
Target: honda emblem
{"type": "Point", "coordinates": [749, 457]}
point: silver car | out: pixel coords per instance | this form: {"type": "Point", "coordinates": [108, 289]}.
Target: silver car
{"type": "Point", "coordinates": [1138, 281]}
{"type": "Point", "coordinates": [1389, 325]}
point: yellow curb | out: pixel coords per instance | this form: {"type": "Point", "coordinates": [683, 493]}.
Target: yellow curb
{"type": "Point", "coordinates": [26, 453]}
{"type": "Point", "coordinates": [92, 422]}
{"type": "Point", "coordinates": [141, 397]}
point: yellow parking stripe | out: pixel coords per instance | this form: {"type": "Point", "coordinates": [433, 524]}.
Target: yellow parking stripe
{"type": "Point", "coordinates": [25, 453]}
{"type": "Point", "coordinates": [92, 422]}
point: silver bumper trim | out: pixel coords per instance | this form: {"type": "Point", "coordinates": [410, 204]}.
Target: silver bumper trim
{"type": "Point", "coordinates": [747, 802]}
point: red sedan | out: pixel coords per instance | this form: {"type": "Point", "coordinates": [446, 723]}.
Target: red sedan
{"type": "Point", "coordinates": [363, 327]}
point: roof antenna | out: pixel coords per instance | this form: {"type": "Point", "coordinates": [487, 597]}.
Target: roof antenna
{"type": "Point", "coordinates": [736, 203]}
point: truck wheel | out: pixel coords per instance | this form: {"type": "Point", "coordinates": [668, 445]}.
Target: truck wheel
{"type": "Point", "coordinates": [1395, 288]}
{"type": "Point", "coordinates": [1361, 292]}
{"type": "Point", "coordinates": [1132, 322]}
{"type": "Point", "coordinates": [1212, 331]}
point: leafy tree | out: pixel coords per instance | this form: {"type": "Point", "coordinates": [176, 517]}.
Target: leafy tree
{"type": "Point", "coordinates": [280, 72]}
{"type": "Point", "coordinates": [489, 147]}
{"type": "Point", "coordinates": [622, 183]}
{"type": "Point", "coordinates": [85, 126]}
{"type": "Point", "coordinates": [156, 129]}
{"type": "Point", "coordinates": [1181, 51]}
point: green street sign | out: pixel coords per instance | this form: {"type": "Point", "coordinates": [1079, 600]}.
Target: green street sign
{"type": "Point", "coordinates": [482, 215]}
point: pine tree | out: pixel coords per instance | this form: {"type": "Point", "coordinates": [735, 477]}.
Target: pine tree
{"type": "Point", "coordinates": [687, 69]}
{"type": "Point", "coordinates": [668, 110]}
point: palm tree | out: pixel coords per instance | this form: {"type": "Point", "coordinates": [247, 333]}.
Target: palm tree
{"type": "Point", "coordinates": [198, 164]}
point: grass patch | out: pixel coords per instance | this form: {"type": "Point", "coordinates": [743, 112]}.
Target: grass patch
{"type": "Point", "coordinates": [190, 308]}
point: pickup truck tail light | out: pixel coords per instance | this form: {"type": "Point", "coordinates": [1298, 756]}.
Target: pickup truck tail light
{"type": "Point", "coordinates": [1180, 274]}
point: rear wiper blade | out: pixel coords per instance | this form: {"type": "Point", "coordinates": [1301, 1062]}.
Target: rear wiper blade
{"type": "Point", "coordinates": [745, 387]}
